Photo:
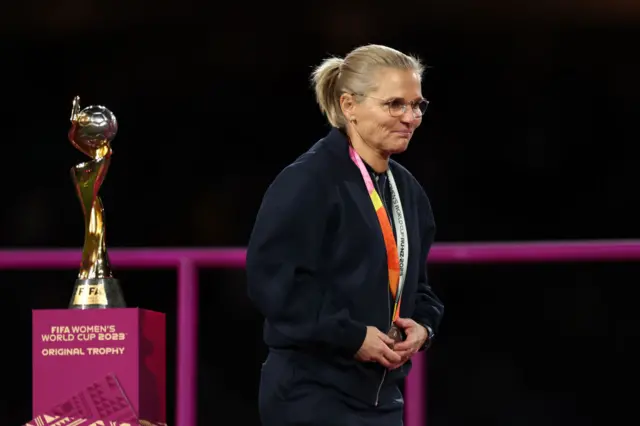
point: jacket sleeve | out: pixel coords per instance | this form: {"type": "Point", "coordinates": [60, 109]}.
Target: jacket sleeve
{"type": "Point", "coordinates": [429, 309]}
{"type": "Point", "coordinates": [283, 258]}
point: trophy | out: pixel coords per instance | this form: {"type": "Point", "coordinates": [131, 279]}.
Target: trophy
{"type": "Point", "coordinates": [92, 130]}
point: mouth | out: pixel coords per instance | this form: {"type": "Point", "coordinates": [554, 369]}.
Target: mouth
{"type": "Point", "coordinates": [403, 133]}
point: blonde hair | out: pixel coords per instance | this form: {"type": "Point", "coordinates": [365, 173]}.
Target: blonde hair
{"type": "Point", "coordinates": [355, 74]}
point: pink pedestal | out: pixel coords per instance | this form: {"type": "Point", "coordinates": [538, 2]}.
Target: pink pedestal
{"type": "Point", "coordinates": [101, 365]}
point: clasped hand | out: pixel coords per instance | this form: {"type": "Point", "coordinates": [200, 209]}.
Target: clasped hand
{"type": "Point", "coordinates": [380, 348]}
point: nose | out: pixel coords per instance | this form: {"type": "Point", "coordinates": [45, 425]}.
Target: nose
{"type": "Point", "coordinates": [409, 117]}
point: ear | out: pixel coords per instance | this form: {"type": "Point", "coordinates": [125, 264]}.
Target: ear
{"type": "Point", "coordinates": [348, 106]}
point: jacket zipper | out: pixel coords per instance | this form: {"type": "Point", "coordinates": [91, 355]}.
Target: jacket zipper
{"type": "Point", "coordinates": [384, 373]}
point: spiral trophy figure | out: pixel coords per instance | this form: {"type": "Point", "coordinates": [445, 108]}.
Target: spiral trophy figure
{"type": "Point", "coordinates": [92, 130]}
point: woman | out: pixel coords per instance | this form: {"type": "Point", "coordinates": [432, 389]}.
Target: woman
{"type": "Point", "coordinates": [336, 259]}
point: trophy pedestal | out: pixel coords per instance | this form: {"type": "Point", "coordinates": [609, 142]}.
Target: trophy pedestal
{"type": "Point", "coordinates": [104, 365]}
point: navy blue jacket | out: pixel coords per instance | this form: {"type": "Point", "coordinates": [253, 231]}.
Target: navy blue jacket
{"type": "Point", "coordinates": [317, 268]}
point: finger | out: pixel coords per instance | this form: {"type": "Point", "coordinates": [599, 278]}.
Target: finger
{"type": "Point", "coordinates": [405, 354]}
{"type": "Point", "coordinates": [384, 362]}
{"type": "Point", "coordinates": [382, 359]}
{"type": "Point", "coordinates": [396, 366]}
{"type": "Point", "coordinates": [406, 345]}
{"type": "Point", "coordinates": [386, 339]}
{"type": "Point", "coordinates": [404, 322]}
{"type": "Point", "coordinates": [391, 356]}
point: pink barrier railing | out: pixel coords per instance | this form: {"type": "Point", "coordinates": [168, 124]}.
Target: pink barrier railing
{"type": "Point", "coordinates": [188, 261]}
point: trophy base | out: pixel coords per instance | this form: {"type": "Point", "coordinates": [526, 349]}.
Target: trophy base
{"type": "Point", "coordinates": [97, 293]}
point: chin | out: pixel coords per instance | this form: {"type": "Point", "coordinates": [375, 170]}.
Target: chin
{"type": "Point", "coordinates": [398, 147]}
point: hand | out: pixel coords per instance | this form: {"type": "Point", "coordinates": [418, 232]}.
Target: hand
{"type": "Point", "coordinates": [416, 334]}
{"type": "Point", "coordinates": [377, 348]}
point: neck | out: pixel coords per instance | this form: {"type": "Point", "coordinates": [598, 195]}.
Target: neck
{"type": "Point", "coordinates": [376, 159]}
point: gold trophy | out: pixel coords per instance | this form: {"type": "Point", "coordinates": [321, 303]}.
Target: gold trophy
{"type": "Point", "coordinates": [92, 130]}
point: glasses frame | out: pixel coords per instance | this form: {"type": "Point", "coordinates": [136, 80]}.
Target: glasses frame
{"type": "Point", "coordinates": [387, 103]}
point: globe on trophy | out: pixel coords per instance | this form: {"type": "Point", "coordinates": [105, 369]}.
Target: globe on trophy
{"type": "Point", "coordinates": [92, 130]}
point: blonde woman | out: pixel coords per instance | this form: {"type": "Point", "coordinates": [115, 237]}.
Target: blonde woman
{"type": "Point", "coordinates": [336, 259]}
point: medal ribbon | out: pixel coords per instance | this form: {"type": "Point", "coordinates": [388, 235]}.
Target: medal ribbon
{"type": "Point", "coordinates": [396, 253]}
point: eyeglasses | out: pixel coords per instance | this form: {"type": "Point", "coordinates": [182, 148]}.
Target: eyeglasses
{"type": "Point", "coordinates": [398, 106]}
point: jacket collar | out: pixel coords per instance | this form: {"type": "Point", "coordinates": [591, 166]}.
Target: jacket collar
{"type": "Point", "coordinates": [337, 143]}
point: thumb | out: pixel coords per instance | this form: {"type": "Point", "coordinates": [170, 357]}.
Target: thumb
{"type": "Point", "coordinates": [404, 322]}
{"type": "Point", "coordinates": [386, 339]}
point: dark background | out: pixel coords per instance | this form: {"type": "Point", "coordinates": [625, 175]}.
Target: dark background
{"type": "Point", "coordinates": [531, 134]}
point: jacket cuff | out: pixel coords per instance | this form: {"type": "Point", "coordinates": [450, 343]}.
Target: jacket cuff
{"type": "Point", "coordinates": [430, 336]}
{"type": "Point", "coordinates": [353, 336]}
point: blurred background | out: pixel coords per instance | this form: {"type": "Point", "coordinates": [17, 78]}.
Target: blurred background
{"type": "Point", "coordinates": [530, 135]}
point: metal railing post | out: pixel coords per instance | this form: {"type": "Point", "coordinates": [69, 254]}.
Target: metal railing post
{"type": "Point", "coordinates": [187, 347]}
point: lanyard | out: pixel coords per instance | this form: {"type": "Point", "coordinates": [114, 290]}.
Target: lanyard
{"type": "Point", "coordinates": [396, 254]}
